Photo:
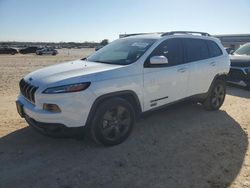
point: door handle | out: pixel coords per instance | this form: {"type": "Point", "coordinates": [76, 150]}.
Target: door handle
{"type": "Point", "coordinates": [213, 64]}
{"type": "Point", "coordinates": [182, 70]}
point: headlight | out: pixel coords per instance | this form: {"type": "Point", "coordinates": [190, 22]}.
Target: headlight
{"type": "Point", "coordinates": [67, 88]}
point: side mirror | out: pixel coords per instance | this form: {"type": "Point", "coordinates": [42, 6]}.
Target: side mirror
{"type": "Point", "coordinates": [158, 60]}
{"type": "Point", "coordinates": [231, 52]}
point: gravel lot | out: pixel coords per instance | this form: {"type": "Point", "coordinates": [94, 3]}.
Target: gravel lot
{"type": "Point", "coordinates": [181, 146]}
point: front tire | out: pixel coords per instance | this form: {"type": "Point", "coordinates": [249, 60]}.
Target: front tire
{"type": "Point", "coordinates": [112, 122]}
{"type": "Point", "coordinates": [216, 96]}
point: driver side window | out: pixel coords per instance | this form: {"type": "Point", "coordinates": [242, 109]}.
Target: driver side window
{"type": "Point", "coordinates": [171, 49]}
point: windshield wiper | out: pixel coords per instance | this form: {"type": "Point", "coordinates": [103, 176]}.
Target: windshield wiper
{"type": "Point", "coordinates": [102, 62]}
{"type": "Point", "coordinates": [97, 61]}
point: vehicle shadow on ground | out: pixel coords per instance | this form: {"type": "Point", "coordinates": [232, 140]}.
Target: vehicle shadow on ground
{"type": "Point", "coordinates": [238, 91]}
{"type": "Point", "coordinates": [183, 146]}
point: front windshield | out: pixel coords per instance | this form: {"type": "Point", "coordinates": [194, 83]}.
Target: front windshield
{"type": "Point", "coordinates": [244, 50]}
{"type": "Point", "coordinates": [122, 52]}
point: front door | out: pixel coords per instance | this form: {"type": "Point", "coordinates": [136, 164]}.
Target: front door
{"type": "Point", "coordinates": [165, 83]}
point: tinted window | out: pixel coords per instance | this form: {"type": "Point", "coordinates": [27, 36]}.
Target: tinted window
{"type": "Point", "coordinates": [214, 49]}
{"type": "Point", "coordinates": [196, 49]}
{"type": "Point", "coordinates": [171, 49]}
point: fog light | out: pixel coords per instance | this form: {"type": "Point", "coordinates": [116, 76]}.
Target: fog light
{"type": "Point", "coordinates": [51, 108]}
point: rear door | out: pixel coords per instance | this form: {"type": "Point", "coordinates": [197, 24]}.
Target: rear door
{"type": "Point", "coordinates": [165, 83]}
{"type": "Point", "coordinates": [201, 67]}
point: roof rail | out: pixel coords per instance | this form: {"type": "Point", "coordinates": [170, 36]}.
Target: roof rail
{"type": "Point", "coordinates": [185, 32]}
{"type": "Point", "coordinates": [135, 34]}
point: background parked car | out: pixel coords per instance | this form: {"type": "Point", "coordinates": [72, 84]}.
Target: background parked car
{"type": "Point", "coordinates": [98, 47]}
{"type": "Point", "coordinates": [229, 50]}
{"type": "Point", "coordinates": [240, 67]}
{"type": "Point", "coordinates": [29, 50]}
{"type": "Point", "coordinates": [102, 44]}
{"type": "Point", "coordinates": [11, 51]}
{"type": "Point", "coordinates": [48, 51]}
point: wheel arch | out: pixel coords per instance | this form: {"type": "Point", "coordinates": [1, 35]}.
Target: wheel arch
{"type": "Point", "coordinates": [127, 95]}
{"type": "Point", "coordinates": [222, 77]}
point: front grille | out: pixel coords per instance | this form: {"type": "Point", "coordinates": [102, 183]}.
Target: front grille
{"type": "Point", "coordinates": [27, 90]}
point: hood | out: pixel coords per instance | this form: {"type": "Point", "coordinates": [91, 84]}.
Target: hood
{"type": "Point", "coordinates": [240, 60]}
{"type": "Point", "coordinates": [64, 71]}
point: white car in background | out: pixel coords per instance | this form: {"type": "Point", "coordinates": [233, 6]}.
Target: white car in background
{"type": "Point", "coordinates": [107, 91]}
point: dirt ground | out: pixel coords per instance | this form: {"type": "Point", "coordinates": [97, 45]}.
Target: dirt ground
{"type": "Point", "coordinates": [182, 146]}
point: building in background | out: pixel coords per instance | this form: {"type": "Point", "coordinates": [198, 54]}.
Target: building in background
{"type": "Point", "coordinates": [233, 41]}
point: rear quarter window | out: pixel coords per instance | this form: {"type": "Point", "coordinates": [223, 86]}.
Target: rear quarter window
{"type": "Point", "coordinates": [214, 49]}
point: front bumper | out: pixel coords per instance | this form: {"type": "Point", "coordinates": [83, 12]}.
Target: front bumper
{"type": "Point", "coordinates": [238, 75]}
{"type": "Point", "coordinates": [74, 109]}
{"type": "Point", "coordinates": [53, 129]}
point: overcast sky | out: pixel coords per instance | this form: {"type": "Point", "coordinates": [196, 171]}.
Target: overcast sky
{"type": "Point", "coordinates": [94, 20]}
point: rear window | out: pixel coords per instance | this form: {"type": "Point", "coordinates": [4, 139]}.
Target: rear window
{"type": "Point", "coordinates": [214, 49]}
{"type": "Point", "coordinates": [196, 49]}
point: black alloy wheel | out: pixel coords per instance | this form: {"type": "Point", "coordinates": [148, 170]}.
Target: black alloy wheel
{"type": "Point", "coordinates": [113, 122]}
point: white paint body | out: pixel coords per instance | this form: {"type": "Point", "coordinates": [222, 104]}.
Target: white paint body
{"type": "Point", "coordinates": [176, 82]}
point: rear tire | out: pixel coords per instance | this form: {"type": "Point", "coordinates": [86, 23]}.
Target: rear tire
{"type": "Point", "coordinates": [112, 122]}
{"type": "Point", "coordinates": [216, 96]}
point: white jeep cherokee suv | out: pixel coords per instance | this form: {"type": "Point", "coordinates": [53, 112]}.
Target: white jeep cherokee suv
{"type": "Point", "coordinates": [107, 90]}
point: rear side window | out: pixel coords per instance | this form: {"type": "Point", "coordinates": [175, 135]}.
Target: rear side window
{"type": "Point", "coordinates": [214, 49]}
{"type": "Point", "coordinates": [196, 49]}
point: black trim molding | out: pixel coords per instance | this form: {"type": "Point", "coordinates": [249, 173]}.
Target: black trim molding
{"type": "Point", "coordinates": [155, 100]}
